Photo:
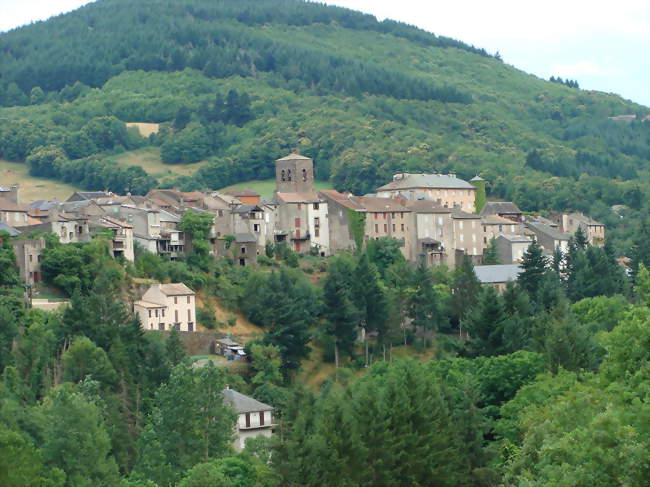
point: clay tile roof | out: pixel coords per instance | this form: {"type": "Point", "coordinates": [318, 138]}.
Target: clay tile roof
{"type": "Point", "coordinates": [242, 192]}
{"type": "Point", "coordinates": [175, 289]}
{"type": "Point", "coordinates": [348, 200]}
{"type": "Point", "coordinates": [381, 204]}
{"type": "Point", "coordinates": [457, 213]}
{"type": "Point", "coordinates": [298, 197]}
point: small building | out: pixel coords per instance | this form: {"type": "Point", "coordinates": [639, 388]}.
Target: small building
{"type": "Point", "coordinates": [594, 231]}
{"type": "Point", "coordinates": [121, 236]}
{"type": "Point", "coordinates": [497, 275]}
{"type": "Point", "coordinates": [229, 348]}
{"type": "Point", "coordinates": [511, 248]}
{"type": "Point", "coordinates": [495, 225]}
{"type": "Point", "coordinates": [167, 306]}
{"type": "Point", "coordinates": [243, 249]}
{"type": "Point", "coordinates": [254, 418]}
{"type": "Point", "coordinates": [548, 236]}
{"type": "Point", "coordinates": [28, 258]}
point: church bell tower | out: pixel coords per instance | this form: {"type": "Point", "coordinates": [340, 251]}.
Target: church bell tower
{"type": "Point", "coordinates": [294, 174]}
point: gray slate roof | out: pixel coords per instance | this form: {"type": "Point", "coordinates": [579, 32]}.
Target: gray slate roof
{"type": "Point", "coordinates": [548, 230]}
{"type": "Point", "coordinates": [11, 230]}
{"type": "Point", "coordinates": [495, 207]}
{"type": "Point", "coordinates": [412, 181]}
{"type": "Point", "coordinates": [245, 238]}
{"type": "Point", "coordinates": [515, 237]}
{"type": "Point", "coordinates": [489, 274]}
{"type": "Point", "coordinates": [242, 403]}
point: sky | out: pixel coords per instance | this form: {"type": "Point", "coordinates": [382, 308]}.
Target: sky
{"type": "Point", "coordinates": [604, 45]}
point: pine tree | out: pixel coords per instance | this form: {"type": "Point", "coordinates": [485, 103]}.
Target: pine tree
{"type": "Point", "coordinates": [341, 314]}
{"type": "Point", "coordinates": [491, 254]}
{"type": "Point", "coordinates": [533, 266]}
{"type": "Point", "coordinates": [423, 304]}
{"type": "Point", "coordinates": [370, 299]}
{"type": "Point", "coordinates": [175, 348]}
{"type": "Point", "coordinates": [485, 324]}
{"type": "Point", "coordinates": [465, 289]}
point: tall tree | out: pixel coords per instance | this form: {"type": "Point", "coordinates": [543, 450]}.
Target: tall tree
{"type": "Point", "coordinates": [371, 300]}
{"type": "Point", "coordinates": [533, 266]}
{"type": "Point", "coordinates": [485, 324]}
{"type": "Point", "coordinates": [465, 288]}
{"type": "Point", "coordinates": [424, 307]}
{"type": "Point", "coordinates": [491, 253]}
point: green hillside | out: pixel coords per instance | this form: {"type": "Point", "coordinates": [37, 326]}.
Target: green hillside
{"type": "Point", "coordinates": [238, 84]}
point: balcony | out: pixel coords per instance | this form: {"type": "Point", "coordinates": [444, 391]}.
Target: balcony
{"type": "Point", "coordinates": [300, 236]}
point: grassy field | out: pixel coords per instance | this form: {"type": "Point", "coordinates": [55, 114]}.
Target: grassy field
{"type": "Point", "coordinates": [32, 188]}
{"type": "Point", "coordinates": [149, 160]}
{"type": "Point", "coordinates": [267, 186]}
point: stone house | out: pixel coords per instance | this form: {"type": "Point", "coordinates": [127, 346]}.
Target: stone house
{"type": "Point", "coordinates": [446, 189]}
{"type": "Point", "coordinates": [167, 306]}
{"type": "Point", "coordinates": [495, 225]}
{"type": "Point", "coordinates": [28, 258]}
{"type": "Point", "coordinates": [243, 250]}
{"type": "Point", "coordinates": [254, 418]}
{"type": "Point", "coordinates": [9, 194]}
{"type": "Point", "coordinates": [511, 248]}
{"type": "Point", "coordinates": [434, 232]}
{"type": "Point", "coordinates": [121, 236]}
{"type": "Point", "coordinates": [387, 217]}
{"type": "Point", "coordinates": [593, 230]}
{"type": "Point", "coordinates": [468, 238]}
{"type": "Point", "coordinates": [340, 208]}
{"type": "Point", "coordinates": [69, 229]}
{"type": "Point", "coordinates": [549, 237]}
{"type": "Point", "coordinates": [13, 214]}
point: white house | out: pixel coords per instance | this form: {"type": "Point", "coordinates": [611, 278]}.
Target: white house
{"type": "Point", "coordinates": [254, 418]}
{"type": "Point", "coordinates": [164, 306]}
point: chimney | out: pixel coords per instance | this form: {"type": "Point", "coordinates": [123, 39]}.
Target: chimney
{"type": "Point", "coordinates": [13, 194]}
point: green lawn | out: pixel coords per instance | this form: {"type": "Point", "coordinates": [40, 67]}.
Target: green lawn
{"type": "Point", "coordinates": [266, 187]}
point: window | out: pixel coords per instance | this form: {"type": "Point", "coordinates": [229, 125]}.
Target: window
{"type": "Point", "coordinates": [256, 227]}
{"type": "Point", "coordinates": [188, 300]}
{"type": "Point", "coordinates": [189, 315]}
{"type": "Point", "coordinates": [501, 228]}
{"type": "Point", "coordinates": [385, 228]}
{"type": "Point", "coordinates": [393, 227]}
{"type": "Point", "coordinates": [248, 419]}
{"type": "Point", "coordinates": [316, 232]}
{"type": "Point", "coordinates": [220, 212]}
{"type": "Point", "coordinates": [392, 215]}
{"type": "Point", "coordinates": [176, 316]}
{"type": "Point", "coordinates": [376, 228]}
{"type": "Point", "coordinates": [175, 300]}
{"type": "Point", "coordinates": [316, 206]}
{"type": "Point", "coordinates": [243, 250]}
{"type": "Point", "coordinates": [283, 177]}
{"type": "Point", "coordinates": [402, 227]}
{"type": "Point", "coordinates": [289, 175]}
{"type": "Point", "coordinates": [163, 312]}
{"type": "Point", "coordinates": [261, 418]}
{"type": "Point", "coordinates": [401, 215]}
{"type": "Point", "coordinates": [385, 214]}
{"type": "Point", "coordinates": [304, 174]}
{"type": "Point", "coordinates": [31, 257]}
{"type": "Point", "coordinates": [317, 222]}
{"type": "Point", "coordinates": [484, 240]}
{"type": "Point", "coordinates": [156, 313]}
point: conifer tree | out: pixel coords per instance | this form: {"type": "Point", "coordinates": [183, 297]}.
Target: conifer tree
{"type": "Point", "coordinates": [491, 254]}
{"type": "Point", "coordinates": [464, 288]}
{"type": "Point", "coordinates": [485, 324]}
{"type": "Point", "coordinates": [175, 348]}
{"type": "Point", "coordinates": [423, 306]}
{"type": "Point", "coordinates": [533, 267]}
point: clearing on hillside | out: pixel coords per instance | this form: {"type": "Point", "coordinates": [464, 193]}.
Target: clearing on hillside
{"type": "Point", "coordinates": [149, 160]}
{"type": "Point", "coordinates": [32, 188]}
{"type": "Point", "coordinates": [145, 129]}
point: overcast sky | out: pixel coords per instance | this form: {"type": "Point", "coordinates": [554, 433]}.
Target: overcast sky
{"type": "Point", "coordinates": [604, 45]}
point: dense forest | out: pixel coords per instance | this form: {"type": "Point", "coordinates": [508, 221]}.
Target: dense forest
{"type": "Point", "coordinates": [544, 384]}
{"type": "Point", "coordinates": [239, 84]}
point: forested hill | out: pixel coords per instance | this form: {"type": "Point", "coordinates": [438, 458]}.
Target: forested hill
{"type": "Point", "coordinates": [243, 82]}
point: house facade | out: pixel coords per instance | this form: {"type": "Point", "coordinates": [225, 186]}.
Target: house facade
{"type": "Point", "coordinates": [167, 306]}
{"type": "Point", "coordinates": [28, 257]}
{"type": "Point", "coordinates": [254, 418]}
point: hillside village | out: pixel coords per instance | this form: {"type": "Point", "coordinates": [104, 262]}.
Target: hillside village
{"type": "Point", "coordinates": [437, 217]}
